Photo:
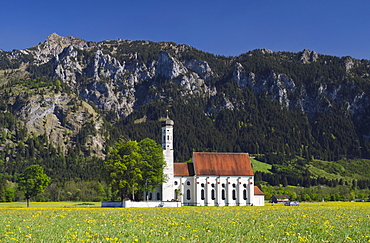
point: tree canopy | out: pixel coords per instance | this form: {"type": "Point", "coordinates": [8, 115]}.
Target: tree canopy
{"type": "Point", "coordinates": [135, 166]}
{"type": "Point", "coordinates": [33, 181]}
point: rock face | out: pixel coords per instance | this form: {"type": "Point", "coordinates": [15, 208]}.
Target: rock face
{"type": "Point", "coordinates": [309, 56]}
{"type": "Point", "coordinates": [53, 116]}
{"type": "Point", "coordinates": [281, 88]}
{"type": "Point", "coordinates": [112, 85]}
{"type": "Point", "coordinates": [54, 45]}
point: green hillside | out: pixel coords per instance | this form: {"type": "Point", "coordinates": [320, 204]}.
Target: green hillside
{"type": "Point", "coordinates": [260, 166]}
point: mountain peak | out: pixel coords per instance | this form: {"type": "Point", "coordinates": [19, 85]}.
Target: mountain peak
{"type": "Point", "coordinates": [54, 45]}
{"type": "Point", "coordinates": [55, 39]}
{"type": "Point", "coordinates": [53, 36]}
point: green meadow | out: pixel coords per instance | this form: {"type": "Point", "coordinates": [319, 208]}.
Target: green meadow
{"type": "Point", "coordinates": [87, 222]}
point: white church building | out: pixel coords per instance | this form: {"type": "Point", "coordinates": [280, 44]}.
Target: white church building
{"type": "Point", "coordinates": [211, 179]}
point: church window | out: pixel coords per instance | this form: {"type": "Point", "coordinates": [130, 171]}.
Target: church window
{"type": "Point", "coordinates": [234, 194]}
{"type": "Point", "coordinates": [202, 185]}
{"type": "Point", "coordinates": [175, 183]}
{"type": "Point", "coordinates": [213, 194]}
{"type": "Point", "coordinates": [234, 185]}
{"type": "Point", "coordinates": [245, 185]}
{"type": "Point", "coordinates": [188, 183]}
{"type": "Point", "coordinates": [223, 185]}
{"type": "Point", "coordinates": [202, 194]}
{"type": "Point", "coordinates": [223, 194]}
{"type": "Point", "coordinates": [212, 185]}
{"type": "Point", "coordinates": [245, 194]}
{"type": "Point", "coordinates": [158, 196]}
{"type": "Point", "coordinates": [188, 194]}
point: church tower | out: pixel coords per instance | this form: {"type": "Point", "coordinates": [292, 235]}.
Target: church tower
{"type": "Point", "coordinates": [167, 145]}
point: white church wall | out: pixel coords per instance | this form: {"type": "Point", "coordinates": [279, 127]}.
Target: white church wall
{"type": "Point", "coordinates": [259, 200]}
{"type": "Point", "coordinates": [189, 193]}
{"type": "Point", "coordinates": [145, 204]}
{"type": "Point", "coordinates": [216, 190]}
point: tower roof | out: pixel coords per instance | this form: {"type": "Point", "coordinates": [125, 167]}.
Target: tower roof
{"type": "Point", "coordinates": [167, 121]}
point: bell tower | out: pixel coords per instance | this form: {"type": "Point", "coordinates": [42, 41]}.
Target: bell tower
{"type": "Point", "coordinates": [167, 146]}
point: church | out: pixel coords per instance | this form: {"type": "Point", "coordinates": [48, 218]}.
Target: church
{"type": "Point", "coordinates": [211, 179]}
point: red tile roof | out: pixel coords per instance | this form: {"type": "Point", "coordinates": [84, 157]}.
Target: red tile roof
{"type": "Point", "coordinates": [226, 164]}
{"type": "Point", "coordinates": [183, 169]}
{"type": "Point", "coordinates": [258, 191]}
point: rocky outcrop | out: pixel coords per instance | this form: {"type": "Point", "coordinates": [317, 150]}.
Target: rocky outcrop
{"type": "Point", "coordinates": [54, 45]}
{"type": "Point", "coordinates": [349, 63]}
{"type": "Point", "coordinates": [239, 75]}
{"type": "Point", "coordinates": [168, 67]}
{"type": "Point", "coordinates": [201, 68]}
{"type": "Point", "coordinates": [51, 115]}
{"type": "Point", "coordinates": [67, 69]}
{"type": "Point", "coordinates": [308, 56]}
{"type": "Point", "coordinates": [114, 85]}
{"type": "Point", "coordinates": [281, 88]}
{"type": "Point", "coordinates": [275, 86]}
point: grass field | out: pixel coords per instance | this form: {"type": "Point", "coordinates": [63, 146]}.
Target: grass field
{"type": "Point", "coordinates": [70, 222]}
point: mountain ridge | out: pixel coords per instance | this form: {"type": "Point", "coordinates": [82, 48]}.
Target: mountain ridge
{"type": "Point", "coordinates": [241, 95]}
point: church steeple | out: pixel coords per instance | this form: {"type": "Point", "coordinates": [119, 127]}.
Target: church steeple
{"type": "Point", "coordinates": [167, 133]}
{"type": "Point", "coordinates": [167, 145]}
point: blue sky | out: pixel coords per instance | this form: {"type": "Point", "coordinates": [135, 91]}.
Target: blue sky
{"type": "Point", "coordinates": [233, 27]}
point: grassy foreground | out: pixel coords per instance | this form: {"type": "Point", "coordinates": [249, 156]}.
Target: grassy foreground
{"type": "Point", "coordinates": [316, 222]}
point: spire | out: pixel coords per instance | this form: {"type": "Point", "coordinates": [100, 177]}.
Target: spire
{"type": "Point", "coordinates": [167, 121]}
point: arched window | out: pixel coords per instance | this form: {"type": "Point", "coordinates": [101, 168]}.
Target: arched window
{"type": "Point", "coordinates": [202, 185]}
{"type": "Point", "coordinates": [188, 183]}
{"type": "Point", "coordinates": [234, 185]}
{"type": "Point", "coordinates": [188, 194]}
{"type": "Point", "coordinates": [213, 194]}
{"type": "Point", "coordinates": [234, 194]}
{"type": "Point", "coordinates": [245, 185]}
{"type": "Point", "coordinates": [212, 185]}
{"type": "Point", "coordinates": [175, 183]}
{"type": "Point", "coordinates": [223, 185]}
{"type": "Point", "coordinates": [202, 196]}
{"type": "Point", "coordinates": [223, 194]}
{"type": "Point", "coordinates": [245, 194]}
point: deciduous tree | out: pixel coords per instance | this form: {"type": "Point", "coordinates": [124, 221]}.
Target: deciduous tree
{"type": "Point", "coordinates": [135, 167]}
{"type": "Point", "coordinates": [33, 181]}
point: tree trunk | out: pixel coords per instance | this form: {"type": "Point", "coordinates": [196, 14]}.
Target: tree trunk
{"type": "Point", "coordinates": [28, 202]}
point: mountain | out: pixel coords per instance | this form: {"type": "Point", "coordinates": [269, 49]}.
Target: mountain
{"type": "Point", "coordinates": [71, 98]}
